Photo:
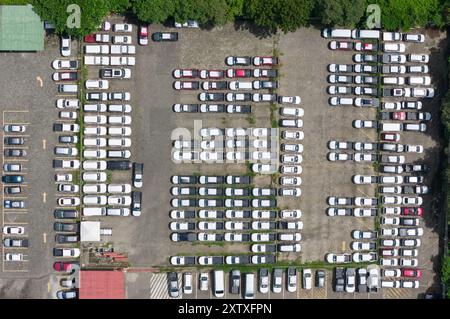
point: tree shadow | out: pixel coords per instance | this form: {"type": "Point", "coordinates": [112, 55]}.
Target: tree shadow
{"type": "Point", "coordinates": [257, 31]}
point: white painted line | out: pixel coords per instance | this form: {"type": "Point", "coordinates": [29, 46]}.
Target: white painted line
{"type": "Point", "coordinates": [45, 237]}
{"type": "Point", "coordinates": [44, 144]}
{"type": "Point", "coordinates": [40, 81]}
{"type": "Point", "coordinates": [44, 197]}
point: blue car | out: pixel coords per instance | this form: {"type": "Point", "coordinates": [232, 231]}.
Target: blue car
{"type": "Point", "coordinates": [13, 204]}
{"type": "Point", "coordinates": [12, 179]}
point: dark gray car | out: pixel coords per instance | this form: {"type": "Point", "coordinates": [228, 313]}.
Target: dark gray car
{"type": "Point", "coordinates": [174, 290]}
{"type": "Point", "coordinates": [10, 242]}
{"type": "Point", "coordinates": [13, 152]}
{"type": "Point", "coordinates": [235, 281]}
{"type": "Point", "coordinates": [66, 214]}
{"type": "Point", "coordinates": [12, 140]}
{"type": "Point", "coordinates": [66, 239]}
{"type": "Point", "coordinates": [339, 279]}
{"type": "Point", "coordinates": [66, 227]}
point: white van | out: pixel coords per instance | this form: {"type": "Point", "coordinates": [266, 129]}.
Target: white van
{"type": "Point", "coordinates": [394, 47]}
{"type": "Point", "coordinates": [96, 119]}
{"type": "Point", "coordinates": [365, 34]}
{"type": "Point", "coordinates": [94, 177]}
{"type": "Point", "coordinates": [390, 284]}
{"type": "Point", "coordinates": [219, 288]}
{"type": "Point", "coordinates": [249, 286]}
{"type": "Point", "coordinates": [119, 154]}
{"type": "Point", "coordinates": [397, 80]}
{"type": "Point", "coordinates": [391, 127]}
{"type": "Point", "coordinates": [419, 127]}
{"type": "Point", "coordinates": [94, 211]}
{"type": "Point", "coordinates": [336, 33]}
{"type": "Point", "coordinates": [95, 200]}
{"type": "Point", "coordinates": [122, 211]}
{"type": "Point", "coordinates": [95, 130]}
{"type": "Point", "coordinates": [419, 80]}
{"type": "Point", "coordinates": [96, 49]}
{"type": "Point", "coordinates": [121, 108]}
{"type": "Point", "coordinates": [94, 107]}
{"type": "Point", "coordinates": [120, 142]}
{"type": "Point", "coordinates": [90, 165]}
{"type": "Point", "coordinates": [68, 88]}
{"type": "Point", "coordinates": [94, 188]}
{"type": "Point", "coordinates": [119, 131]}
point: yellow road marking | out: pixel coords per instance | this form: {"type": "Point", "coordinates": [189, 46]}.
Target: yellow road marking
{"type": "Point", "coordinates": [44, 144]}
{"type": "Point", "coordinates": [45, 237]}
{"type": "Point", "coordinates": [44, 197]}
{"type": "Point", "coordinates": [49, 287]}
{"type": "Point", "coordinates": [343, 245]}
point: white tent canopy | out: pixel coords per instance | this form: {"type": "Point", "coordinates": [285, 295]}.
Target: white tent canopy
{"type": "Point", "coordinates": [89, 231]}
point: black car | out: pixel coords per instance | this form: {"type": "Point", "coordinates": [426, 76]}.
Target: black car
{"type": "Point", "coordinates": [212, 108]}
{"type": "Point", "coordinates": [215, 85]}
{"type": "Point", "coordinates": [14, 242]}
{"type": "Point", "coordinates": [239, 109]}
{"type": "Point", "coordinates": [183, 236]}
{"type": "Point", "coordinates": [12, 140]}
{"type": "Point", "coordinates": [138, 173]}
{"type": "Point", "coordinates": [118, 165]}
{"type": "Point", "coordinates": [66, 239]}
{"type": "Point", "coordinates": [112, 73]}
{"type": "Point", "coordinates": [267, 85]}
{"type": "Point", "coordinates": [217, 97]}
{"type": "Point", "coordinates": [184, 179]}
{"type": "Point", "coordinates": [186, 108]}
{"type": "Point", "coordinates": [66, 214]}
{"type": "Point", "coordinates": [416, 168]}
{"type": "Point", "coordinates": [66, 227]}
{"type": "Point", "coordinates": [136, 204]}
{"type": "Point", "coordinates": [13, 152]}
{"type": "Point", "coordinates": [339, 279]}
{"type": "Point", "coordinates": [12, 179]}
{"type": "Point", "coordinates": [165, 36]}
{"type": "Point", "coordinates": [13, 190]}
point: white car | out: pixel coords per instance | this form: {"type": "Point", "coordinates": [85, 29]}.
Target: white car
{"type": "Point", "coordinates": [66, 45]}
{"type": "Point", "coordinates": [389, 262]}
{"type": "Point", "coordinates": [68, 103]}
{"type": "Point", "coordinates": [13, 230]}
{"type": "Point", "coordinates": [65, 64]}
{"type": "Point", "coordinates": [122, 27]}
{"type": "Point", "coordinates": [291, 159]}
{"type": "Point", "coordinates": [333, 156]}
{"type": "Point", "coordinates": [119, 120]}
{"type": "Point", "coordinates": [97, 84]}
{"type": "Point", "coordinates": [290, 181]}
{"type": "Point", "coordinates": [290, 192]}
{"type": "Point", "coordinates": [121, 39]}
{"type": "Point", "coordinates": [68, 115]}
{"type": "Point", "coordinates": [69, 201]}
{"type": "Point", "coordinates": [289, 99]}
{"type": "Point", "coordinates": [291, 123]}
{"type": "Point", "coordinates": [291, 169]}
{"type": "Point", "coordinates": [338, 258]}
{"type": "Point", "coordinates": [422, 58]}
{"type": "Point", "coordinates": [263, 168]}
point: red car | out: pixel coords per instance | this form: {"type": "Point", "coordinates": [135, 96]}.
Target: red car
{"type": "Point", "coordinates": [341, 45]}
{"type": "Point", "coordinates": [390, 137]}
{"type": "Point", "coordinates": [239, 73]}
{"type": "Point", "coordinates": [412, 211]}
{"type": "Point", "coordinates": [212, 74]}
{"type": "Point", "coordinates": [185, 73]}
{"type": "Point", "coordinates": [399, 116]}
{"type": "Point", "coordinates": [407, 272]}
{"type": "Point", "coordinates": [63, 266]}
{"type": "Point", "coordinates": [96, 37]}
{"type": "Point", "coordinates": [143, 35]}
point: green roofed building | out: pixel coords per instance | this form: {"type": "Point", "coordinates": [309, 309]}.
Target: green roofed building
{"type": "Point", "coordinates": [21, 29]}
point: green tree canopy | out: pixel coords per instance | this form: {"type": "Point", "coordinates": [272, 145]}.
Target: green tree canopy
{"type": "Point", "coordinates": [55, 11]}
{"type": "Point", "coordinates": [342, 13]}
{"type": "Point", "coordinates": [406, 14]}
{"type": "Point", "coordinates": [288, 15]}
{"type": "Point", "coordinates": [154, 11]}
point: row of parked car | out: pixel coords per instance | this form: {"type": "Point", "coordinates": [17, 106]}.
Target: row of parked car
{"type": "Point", "coordinates": [66, 223]}
{"type": "Point", "coordinates": [246, 287]}
{"type": "Point", "coordinates": [395, 189]}
{"type": "Point", "coordinates": [12, 180]}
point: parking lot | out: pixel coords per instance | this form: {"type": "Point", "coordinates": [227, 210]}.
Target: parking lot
{"type": "Point", "coordinates": [304, 59]}
{"type": "Point", "coordinates": [28, 96]}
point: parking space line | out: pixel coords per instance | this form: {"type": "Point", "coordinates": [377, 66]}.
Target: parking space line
{"type": "Point", "coordinates": [45, 237]}
{"type": "Point", "coordinates": [16, 223]}
{"type": "Point", "coordinates": [16, 212]}
{"type": "Point", "coordinates": [44, 197]}
{"type": "Point", "coordinates": [344, 244]}
{"type": "Point", "coordinates": [44, 144]}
